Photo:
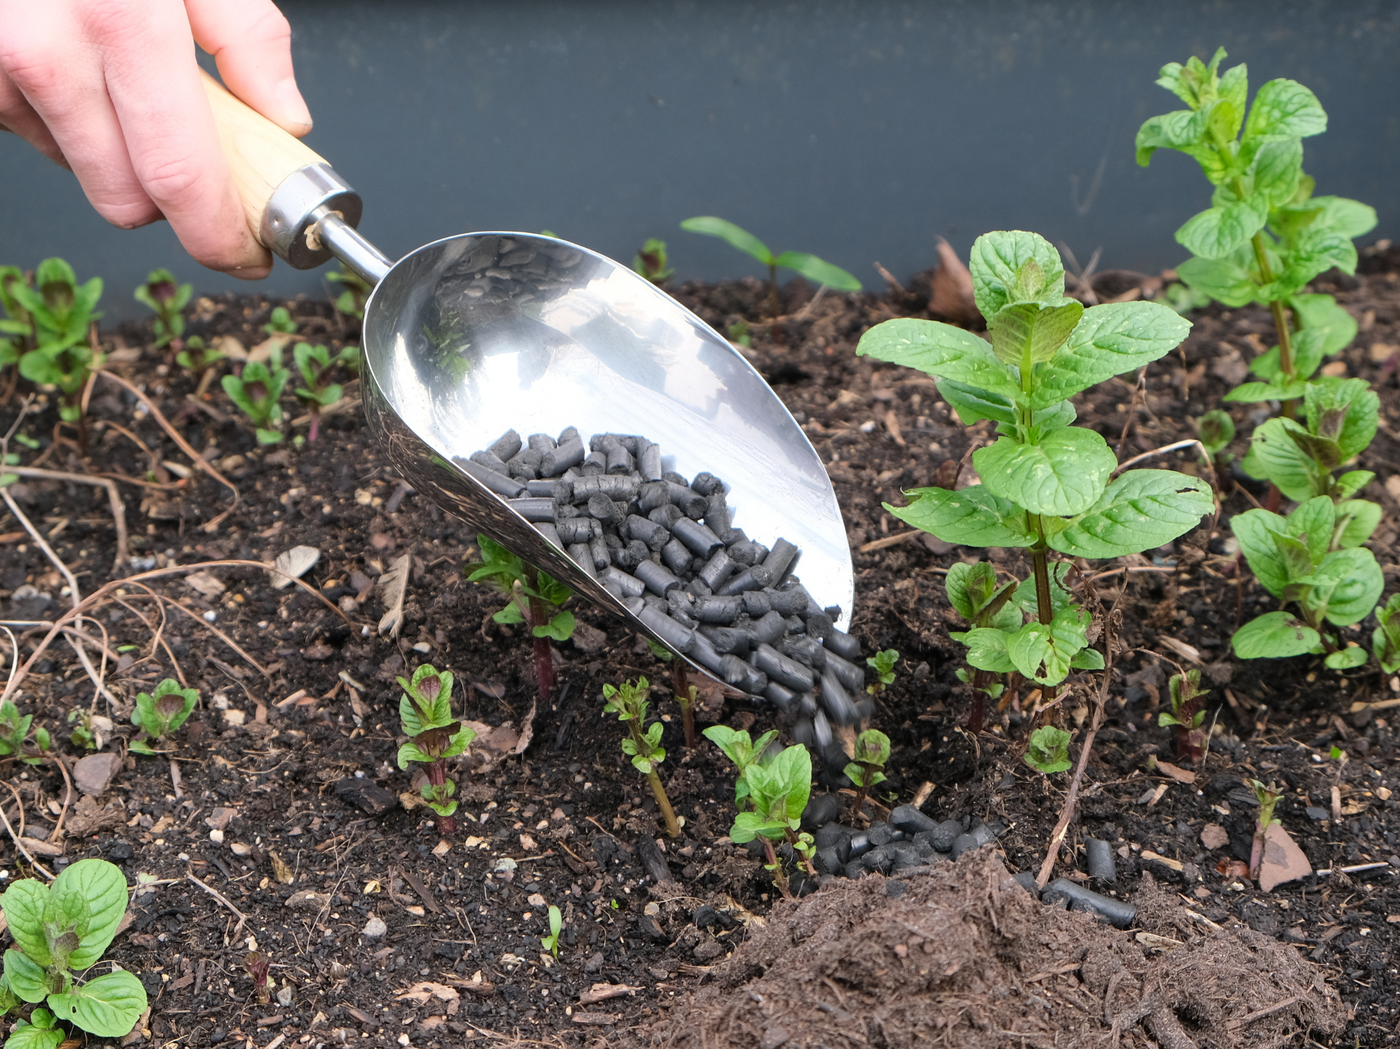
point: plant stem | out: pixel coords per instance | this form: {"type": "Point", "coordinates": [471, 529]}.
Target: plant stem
{"type": "Point", "coordinates": [773, 305]}
{"type": "Point", "coordinates": [780, 878]}
{"type": "Point", "coordinates": [673, 827]}
{"type": "Point", "coordinates": [981, 681]}
{"type": "Point", "coordinates": [681, 680]}
{"type": "Point", "coordinates": [861, 789]}
{"type": "Point", "coordinates": [1285, 341]}
{"type": "Point", "coordinates": [1044, 609]}
{"type": "Point", "coordinates": [437, 777]}
{"type": "Point", "coordinates": [544, 655]}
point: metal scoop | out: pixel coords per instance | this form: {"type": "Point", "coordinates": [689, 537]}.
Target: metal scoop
{"type": "Point", "coordinates": [476, 334]}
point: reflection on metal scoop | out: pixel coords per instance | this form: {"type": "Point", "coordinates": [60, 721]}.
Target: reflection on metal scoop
{"type": "Point", "coordinates": [473, 335]}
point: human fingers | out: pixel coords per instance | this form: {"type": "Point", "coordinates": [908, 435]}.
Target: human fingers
{"type": "Point", "coordinates": [18, 116]}
{"type": "Point", "coordinates": [251, 42]}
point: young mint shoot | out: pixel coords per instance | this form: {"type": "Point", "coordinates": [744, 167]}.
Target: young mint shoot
{"type": "Point", "coordinates": [163, 294]}
{"type": "Point", "coordinates": [1385, 639]}
{"type": "Point", "coordinates": [556, 925]}
{"type": "Point", "coordinates": [351, 301]}
{"type": "Point", "coordinates": [536, 598]}
{"type": "Point", "coordinates": [280, 322]}
{"type": "Point", "coordinates": [162, 713]}
{"type": "Point", "coordinates": [1268, 800]}
{"type": "Point", "coordinates": [1048, 751]}
{"type": "Point", "coordinates": [1046, 484]}
{"type": "Point", "coordinates": [257, 392]}
{"type": "Point", "coordinates": [1216, 430]}
{"type": "Point", "coordinates": [317, 367]}
{"type": "Point", "coordinates": [258, 966]}
{"type": "Point", "coordinates": [1186, 714]}
{"type": "Point", "coordinates": [883, 664]}
{"type": "Point", "coordinates": [643, 742]}
{"type": "Point", "coordinates": [434, 735]}
{"type": "Point", "coordinates": [742, 751]}
{"type": "Point", "coordinates": [15, 736]}
{"type": "Point", "coordinates": [65, 927]}
{"type": "Point", "coordinates": [196, 356]}
{"type": "Point", "coordinates": [867, 766]}
{"type": "Point", "coordinates": [650, 262]}
{"type": "Point", "coordinates": [52, 319]}
{"type": "Point", "coordinates": [811, 267]}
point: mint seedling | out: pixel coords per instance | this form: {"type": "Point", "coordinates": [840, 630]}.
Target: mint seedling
{"type": "Point", "coordinates": [867, 765]}
{"type": "Point", "coordinates": [257, 392]}
{"type": "Point", "coordinates": [1268, 800]}
{"type": "Point", "coordinates": [973, 592]}
{"type": "Point", "coordinates": [1215, 430]}
{"type": "Point", "coordinates": [883, 664]}
{"type": "Point", "coordinates": [317, 366]}
{"type": "Point", "coordinates": [643, 743]}
{"type": "Point", "coordinates": [1265, 235]}
{"type": "Point", "coordinates": [1186, 714]}
{"type": "Point", "coordinates": [811, 267]}
{"type": "Point", "coordinates": [15, 738]}
{"type": "Point", "coordinates": [1311, 560]}
{"type": "Point", "coordinates": [351, 301]}
{"type": "Point", "coordinates": [67, 926]}
{"type": "Point", "coordinates": [771, 796]}
{"type": "Point", "coordinates": [1046, 484]}
{"type": "Point", "coordinates": [167, 298]}
{"type": "Point", "coordinates": [52, 319]}
{"type": "Point", "coordinates": [1385, 639]}
{"type": "Point", "coordinates": [650, 262]}
{"type": "Point", "coordinates": [536, 598]}
{"type": "Point", "coordinates": [280, 322]}
{"type": "Point", "coordinates": [158, 715]}
{"type": "Point", "coordinates": [425, 711]}
{"type": "Point", "coordinates": [195, 356]}
{"type": "Point", "coordinates": [556, 925]}
{"type": "Point", "coordinates": [258, 966]}
{"type": "Point", "coordinates": [1048, 751]}
{"type": "Point", "coordinates": [742, 751]}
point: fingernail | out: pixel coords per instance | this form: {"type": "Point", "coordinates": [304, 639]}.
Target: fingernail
{"type": "Point", "coordinates": [294, 109]}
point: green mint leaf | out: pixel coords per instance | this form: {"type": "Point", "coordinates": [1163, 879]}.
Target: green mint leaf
{"type": "Point", "coordinates": [1218, 232]}
{"type": "Point", "coordinates": [974, 405]}
{"type": "Point", "coordinates": [1234, 89]}
{"type": "Point", "coordinates": [409, 752]}
{"type": "Point", "coordinates": [1350, 483]}
{"type": "Point", "coordinates": [642, 765]}
{"type": "Point", "coordinates": [1285, 109]}
{"type": "Point", "coordinates": [1044, 653]}
{"type": "Point", "coordinates": [1350, 218]}
{"type": "Point", "coordinates": [1348, 658]}
{"type": "Point", "coordinates": [1087, 659]}
{"type": "Point", "coordinates": [107, 1006]}
{"type": "Point", "coordinates": [970, 587]}
{"type": "Point", "coordinates": [998, 260]}
{"type": "Point", "coordinates": [1274, 635]}
{"type": "Point", "coordinates": [102, 887]}
{"type": "Point", "coordinates": [1216, 430]}
{"type": "Point", "coordinates": [1351, 400]}
{"type": "Point", "coordinates": [1225, 280]}
{"type": "Point", "coordinates": [1178, 129]}
{"type": "Point", "coordinates": [750, 825]}
{"type": "Point", "coordinates": [25, 976]}
{"type": "Point", "coordinates": [1029, 331]}
{"type": "Point", "coordinates": [1350, 582]}
{"type": "Point", "coordinates": [734, 236]}
{"type": "Point", "coordinates": [1315, 251]}
{"type": "Point", "coordinates": [1358, 519]}
{"type": "Point", "coordinates": [1140, 510]}
{"type": "Point", "coordinates": [1273, 451]}
{"type": "Point", "coordinates": [818, 270]}
{"type": "Point", "coordinates": [23, 903]}
{"type": "Point", "coordinates": [560, 628]}
{"type": "Point", "coordinates": [1064, 474]}
{"type": "Point", "coordinates": [1313, 522]}
{"type": "Point", "coordinates": [971, 516]}
{"type": "Point", "coordinates": [1276, 170]}
{"type": "Point", "coordinates": [509, 616]}
{"type": "Point", "coordinates": [1386, 637]}
{"type": "Point", "coordinates": [1048, 750]}
{"type": "Point", "coordinates": [987, 649]}
{"type": "Point", "coordinates": [1110, 340]}
{"type": "Point", "coordinates": [1258, 392]}
{"type": "Point", "coordinates": [31, 1036]}
{"type": "Point", "coordinates": [1322, 312]}
{"type": "Point", "coordinates": [942, 351]}
{"type": "Point", "coordinates": [1027, 597]}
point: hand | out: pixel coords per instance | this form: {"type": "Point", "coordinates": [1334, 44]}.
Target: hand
{"type": "Point", "coordinates": [110, 89]}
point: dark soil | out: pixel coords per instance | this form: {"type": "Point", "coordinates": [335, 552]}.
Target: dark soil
{"type": "Point", "coordinates": [283, 796]}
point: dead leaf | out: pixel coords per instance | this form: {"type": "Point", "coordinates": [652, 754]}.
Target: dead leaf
{"type": "Point", "coordinates": [601, 992]}
{"type": "Point", "coordinates": [1213, 836]}
{"type": "Point", "coordinates": [220, 818]}
{"type": "Point", "coordinates": [527, 731]}
{"type": "Point", "coordinates": [262, 352]}
{"type": "Point", "coordinates": [1165, 861]}
{"type": "Point", "coordinates": [94, 773]}
{"type": "Point", "coordinates": [88, 817]}
{"type": "Point", "coordinates": [1381, 352]}
{"type": "Point", "coordinates": [306, 900]}
{"type": "Point", "coordinates": [280, 870]}
{"type": "Point", "coordinates": [1181, 648]}
{"type": "Point", "coordinates": [393, 586]}
{"type": "Point", "coordinates": [1230, 366]}
{"type": "Point", "coordinates": [205, 584]}
{"type": "Point", "coordinates": [230, 347]}
{"type": "Point", "coordinates": [952, 287]}
{"type": "Point", "coordinates": [41, 848]}
{"type": "Point", "coordinates": [1177, 773]}
{"type": "Point", "coordinates": [426, 990]}
{"type": "Point", "coordinates": [1283, 860]}
{"type": "Point", "coordinates": [1232, 868]}
{"type": "Point", "coordinates": [293, 564]}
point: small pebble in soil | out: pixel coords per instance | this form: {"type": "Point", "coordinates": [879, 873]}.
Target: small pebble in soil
{"type": "Point", "coordinates": [374, 928]}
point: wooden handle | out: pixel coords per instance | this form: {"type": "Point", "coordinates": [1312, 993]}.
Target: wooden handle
{"type": "Point", "coordinates": [260, 154]}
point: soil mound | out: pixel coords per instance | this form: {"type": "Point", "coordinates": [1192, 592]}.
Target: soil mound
{"type": "Point", "coordinates": [961, 955]}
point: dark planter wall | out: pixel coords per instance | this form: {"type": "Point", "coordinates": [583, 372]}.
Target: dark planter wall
{"type": "Point", "coordinates": [856, 129]}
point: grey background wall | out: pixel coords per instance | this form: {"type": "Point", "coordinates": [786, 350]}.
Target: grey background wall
{"type": "Point", "coordinates": [860, 130]}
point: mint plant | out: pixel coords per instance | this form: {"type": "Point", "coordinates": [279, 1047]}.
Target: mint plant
{"type": "Point", "coordinates": [434, 735]}
{"type": "Point", "coordinates": [158, 715]}
{"type": "Point", "coordinates": [167, 298]}
{"type": "Point", "coordinates": [771, 794]}
{"type": "Point", "coordinates": [643, 742]}
{"type": "Point", "coordinates": [280, 322]}
{"type": "Point", "coordinates": [1215, 430]}
{"type": "Point", "coordinates": [317, 367]}
{"type": "Point", "coordinates": [64, 927]}
{"type": "Point", "coordinates": [15, 740]}
{"type": "Point", "coordinates": [1048, 751]}
{"type": "Point", "coordinates": [974, 594]}
{"type": "Point", "coordinates": [882, 663]}
{"type": "Point", "coordinates": [1385, 639]}
{"type": "Point", "coordinates": [257, 392]}
{"type": "Point", "coordinates": [811, 267]}
{"type": "Point", "coordinates": [258, 966]}
{"type": "Point", "coordinates": [867, 766]}
{"type": "Point", "coordinates": [1265, 235]}
{"type": "Point", "coordinates": [355, 294]}
{"type": "Point", "coordinates": [1045, 483]}
{"type": "Point", "coordinates": [650, 262]}
{"type": "Point", "coordinates": [556, 925]}
{"type": "Point", "coordinates": [1186, 714]}
{"type": "Point", "coordinates": [195, 356]}
{"type": "Point", "coordinates": [536, 598]}
{"type": "Point", "coordinates": [1268, 800]}
{"type": "Point", "coordinates": [51, 320]}
{"type": "Point", "coordinates": [1312, 559]}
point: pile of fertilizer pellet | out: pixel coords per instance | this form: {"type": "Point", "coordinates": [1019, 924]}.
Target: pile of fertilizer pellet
{"type": "Point", "coordinates": [667, 549]}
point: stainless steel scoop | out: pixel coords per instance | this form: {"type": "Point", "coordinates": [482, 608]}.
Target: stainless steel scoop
{"type": "Point", "coordinates": [476, 334]}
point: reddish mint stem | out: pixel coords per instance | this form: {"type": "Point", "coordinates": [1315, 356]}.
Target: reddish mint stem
{"type": "Point", "coordinates": [544, 655]}
{"type": "Point", "coordinates": [437, 776]}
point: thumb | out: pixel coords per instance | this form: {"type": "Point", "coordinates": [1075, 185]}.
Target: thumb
{"type": "Point", "coordinates": [251, 43]}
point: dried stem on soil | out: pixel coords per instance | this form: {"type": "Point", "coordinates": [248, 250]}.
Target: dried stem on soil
{"type": "Point", "coordinates": [685, 699]}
